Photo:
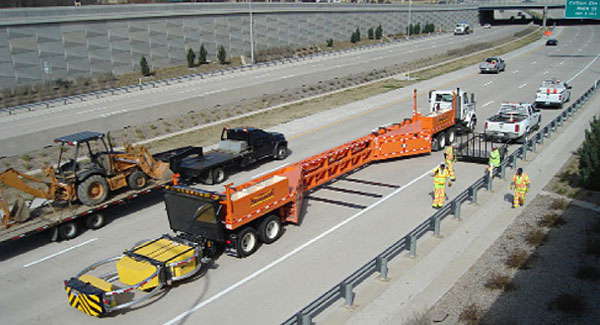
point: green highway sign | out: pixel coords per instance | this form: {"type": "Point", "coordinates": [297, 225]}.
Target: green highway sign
{"type": "Point", "coordinates": [583, 9]}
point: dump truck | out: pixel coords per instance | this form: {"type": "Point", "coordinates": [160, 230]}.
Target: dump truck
{"type": "Point", "coordinates": [207, 223]}
{"type": "Point", "coordinates": [238, 148]}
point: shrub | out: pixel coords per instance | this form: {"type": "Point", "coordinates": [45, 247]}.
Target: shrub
{"type": "Point", "coordinates": [144, 66]}
{"type": "Point", "coordinates": [470, 314]}
{"type": "Point", "coordinates": [517, 260]}
{"type": "Point", "coordinates": [568, 303]}
{"type": "Point", "coordinates": [589, 157]}
{"type": "Point", "coordinates": [535, 237]}
{"type": "Point", "coordinates": [498, 282]}
{"type": "Point", "coordinates": [357, 34]}
{"type": "Point", "coordinates": [330, 42]}
{"type": "Point", "coordinates": [222, 55]}
{"type": "Point", "coordinates": [378, 32]}
{"type": "Point", "coordinates": [191, 57]}
{"type": "Point", "coordinates": [26, 157]}
{"type": "Point", "coordinates": [353, 38]}
{"type": "Point", "coordinates": [551, 220]}
{"type": "Point", "coordinates": [371, 33]}
{"type": "Point", "coordinates": [202, 55]}
{"type": "Point", "coordinates": [559, 204]}
{"type": "Point", "coordinates": [417, 28]}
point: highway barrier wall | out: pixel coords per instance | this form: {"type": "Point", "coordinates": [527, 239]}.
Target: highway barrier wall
{"type": "Point", "coordinates": [48, 44]}
{"type": "Point", "coordinates": [379, 265]}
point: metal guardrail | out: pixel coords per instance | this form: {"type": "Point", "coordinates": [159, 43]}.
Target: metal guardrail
{"type": "Point", "coordinates": [166, 82]}
{"type": "Point", "coordinates": [345, 289]}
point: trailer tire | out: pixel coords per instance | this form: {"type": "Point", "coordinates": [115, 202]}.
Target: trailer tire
{"type": "Point", "coordinates": [93, 190]}
{"type": "Point", "coordinates": [247, 242]}
{"type": "Point", "coordinates": [95, 221]}
{"type": "Point", "coordinates": [269, 229]}
{"type": "Point", "coordinates": [218, 175]}
{"type": "Point", "coordinates": [137, 180]}
{"type": "Point", "coordinates": [281, 152]}
{"type": "Point", "coordinates": [68, 230]}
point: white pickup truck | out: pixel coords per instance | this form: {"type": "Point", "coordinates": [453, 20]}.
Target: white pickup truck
{"type": "Point", "coordinates": [552, 93]}
{"type": "Point", "coordinates": [514, 121]}
{"type": "Point", "coordinates": [462, 29]}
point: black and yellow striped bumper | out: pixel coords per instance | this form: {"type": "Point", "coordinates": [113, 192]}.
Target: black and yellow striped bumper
{"type": "Point", "coordinates": [85, 297]}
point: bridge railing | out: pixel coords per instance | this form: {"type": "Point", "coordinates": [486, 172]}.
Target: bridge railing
{"type": "Point", "coordinates": [408, 243]}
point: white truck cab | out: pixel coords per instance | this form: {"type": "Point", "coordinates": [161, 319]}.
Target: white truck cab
{"type": "Point", "coordinates": [462, 29]}
{"type": "Point", "coordinates": [465, 116]}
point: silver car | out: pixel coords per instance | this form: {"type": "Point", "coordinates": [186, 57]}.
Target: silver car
{"type": "Point", "coordinates": [494, 65]}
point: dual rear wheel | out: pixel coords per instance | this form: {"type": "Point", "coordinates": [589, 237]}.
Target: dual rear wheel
{"type": "Point", "coordinates": [268, 231]}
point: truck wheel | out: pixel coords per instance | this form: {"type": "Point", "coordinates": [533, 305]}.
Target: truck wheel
{"type": "Point", "coordinates": [269, 229]}
{"type": "Point", "coordinates": [95, 221]}
{"type": "Point", "coordinates": [523, 138]}
{"type": "Point", "coordinates": [451, 136]}
{"type": "Point", "coordinates": [68, 230]}
{"type": "Point", "coordinates": [93, 190]}
{"type": "Point", "coordinates": [439, 142]}
{"type": "Point", "coordinates": [137, 180]}
{"type": "Point", "coordinates": [247, 242]}
{"type": "Point", "coordinates": [281, 152]}
{"type": "Point", "coordinates": [218, 175]}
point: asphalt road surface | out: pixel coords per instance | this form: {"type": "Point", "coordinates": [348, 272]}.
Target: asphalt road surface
{"type": "Point", "coordinates": [27, 131]}
{"type": "Point", "coordinates": [345, 223]}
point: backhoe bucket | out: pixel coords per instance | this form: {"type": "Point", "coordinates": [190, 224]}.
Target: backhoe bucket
{"type": "Point", "coordinates": [161, 171]}
{"type": "Point", "coordinates": [20, 211]}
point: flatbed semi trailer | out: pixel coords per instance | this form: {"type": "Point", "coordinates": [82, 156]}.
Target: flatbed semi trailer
{"type": "Point", "coordinates": [65, 220]}
{"type": "Point", "coordinates": [207, 223]}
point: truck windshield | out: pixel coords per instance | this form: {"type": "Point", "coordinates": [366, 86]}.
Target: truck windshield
{"type": "Point", "coordinates": [443, 98]}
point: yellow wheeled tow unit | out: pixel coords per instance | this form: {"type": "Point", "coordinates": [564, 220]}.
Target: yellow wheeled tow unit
{"type": "Point", "coordinates": [140, 274]}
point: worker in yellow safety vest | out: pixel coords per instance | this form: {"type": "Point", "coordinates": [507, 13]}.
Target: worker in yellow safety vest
{"type": "Point", "coordinates": [520, 183]}
{"type": "Point", "coordinates": [450, 155]}
{"type": "Point", "coordinates": [440, 174]}
{"type": "Point", "coordinates": [494, 161]}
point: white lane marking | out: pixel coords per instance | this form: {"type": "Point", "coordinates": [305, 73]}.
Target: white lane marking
{"type": "Point", "coordinates": [534, 62]}
{"type": "Point", "coordinates": [545, 72]}
{"type": "Point", "coordinates": [515, 71]}
{"type": "Point", "coordinates": [58, 253]}
{"type": "Point", "coordinates": [523, 85]}
{"type": "Point", "coordinates": [487, 83]}
{"type": "Point", "coordinates": [268, 171]}
{"type": "Point", "coordinates": [290, 254]}
{"type": "Point", "coordinates": [580, 50]}
{"type": "Point", "coordinates": [581, 71]}
{"type": "Point", "coordinates": [488, 103]}
{"type": "Point", "coordinates": [561, 63]}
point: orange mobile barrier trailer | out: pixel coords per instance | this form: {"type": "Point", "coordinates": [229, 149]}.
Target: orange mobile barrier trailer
{"type": "Point", "coordinates": [237, 219]}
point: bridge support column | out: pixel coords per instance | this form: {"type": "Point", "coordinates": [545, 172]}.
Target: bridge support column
{"type": "Point", "coordinates": [544, 15]}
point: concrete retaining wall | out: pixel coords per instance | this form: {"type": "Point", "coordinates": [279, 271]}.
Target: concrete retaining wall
{"type": "Point", "coordinates": [65, 42]}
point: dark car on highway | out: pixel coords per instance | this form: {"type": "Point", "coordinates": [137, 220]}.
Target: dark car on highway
{"type": "Point", "coordinates": [551, 42]}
